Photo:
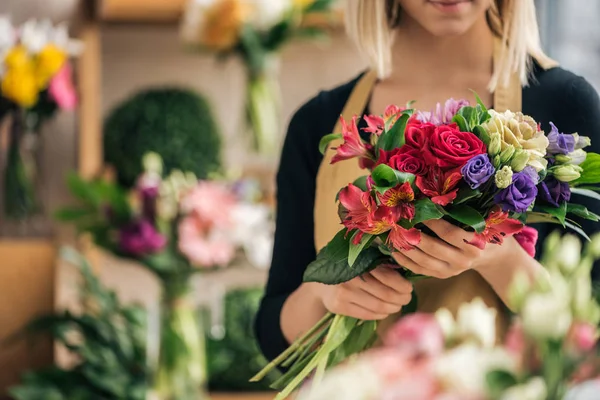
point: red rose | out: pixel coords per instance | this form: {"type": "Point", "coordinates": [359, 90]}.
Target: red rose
{"type": "Point", "coordinates": [448, 147]}
{"type": "Point", "coordinates": [385, 156]}
{"type": "Point", "coordinates": [409, 160]}
{"type": "Point", "coordinates": [418, 133]}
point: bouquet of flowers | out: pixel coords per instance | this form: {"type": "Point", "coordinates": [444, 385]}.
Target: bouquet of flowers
{"type": "Point", "coordinates": [484, 171]}
{"type": "Point", "coordinates": [254, 30]}
{"type": "Point", "coordinates": [35, 81]}
{"type": "Point", "coordinates": [550, 353]}
{"type": "Point", "coordinates": [176, 227]}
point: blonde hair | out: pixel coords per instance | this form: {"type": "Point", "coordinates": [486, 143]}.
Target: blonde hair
{"type": "Point", "coordinates": [370, 24]}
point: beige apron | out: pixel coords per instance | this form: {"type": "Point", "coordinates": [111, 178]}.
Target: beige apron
{"type": "Point", "coordinates": [432, 293]}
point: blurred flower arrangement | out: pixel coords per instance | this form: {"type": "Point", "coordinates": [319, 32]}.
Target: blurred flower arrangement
{"type": "Point", "coordinates": [36, 80]}
{"type": "Point", "coordinates": [551, 351]}
{"type": "Point", "coordinates": [176, 227]}
{"type": "Point", "coordinates": [254, 30]}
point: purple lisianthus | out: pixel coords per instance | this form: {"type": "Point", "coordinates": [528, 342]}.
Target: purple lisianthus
{"type": "Point", "coordinates": [518, 196]}
{"type": "Point", "coordinates": [478, 170]}
{"type": "Point", "coordinates": [560, 143]}
{"type": "Point", "coordinates": [533, 174]}
{"type": "Point", "coordinates": [442, 115]}
{"type": "Point", "coordinates": [140, 238]}
{"type": "Point", "coordinates": [148, 188]}
{"type": "Point", "coordinates": [554, 192]}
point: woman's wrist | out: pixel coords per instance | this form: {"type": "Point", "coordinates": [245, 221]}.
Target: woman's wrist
{"type": "Point", "coordinates": [302, 309]}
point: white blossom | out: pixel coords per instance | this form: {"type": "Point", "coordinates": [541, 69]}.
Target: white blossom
{"type": "Point", "coordinates": [534, 389]}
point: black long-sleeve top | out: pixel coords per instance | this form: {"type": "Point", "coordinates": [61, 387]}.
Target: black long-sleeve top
{"type": "Point", "coordinates": [555, 95]}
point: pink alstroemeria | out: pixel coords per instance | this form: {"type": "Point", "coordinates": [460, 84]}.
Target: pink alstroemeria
{"type": "Point", "coordinates": [439, 185]}
{"type": "Point", "coordinates": [353, 145]}
{"type": "Point", "coordinates": [527, 238]}
{"type": "Point", "coordinates": [358, 210]}
{"type": "Point", "coordinates": [443, 115]}
{"type": "Point", "coordinates": [62, 90]}
{"type": "Point", "coordinates": [376, 124]}
{"type": "Point", "coordinates": [497, 227]}
{"type": "Point", "coordinates": [401, 198]}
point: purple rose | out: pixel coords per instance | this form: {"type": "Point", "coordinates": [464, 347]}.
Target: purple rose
{"type": "Point", "coordinates": [518, 196]}
{"type": "Point", "coordinates": [554, 192]}
{"type": "Point", "coordinates": [559, 142]}
{"type": "Point", "coordinates": [140, 238]}
{"type": "Point", "coordinates": [478, 170]}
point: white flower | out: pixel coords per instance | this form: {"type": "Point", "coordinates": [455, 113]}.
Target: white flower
{"type": "Point", "coordinates": [59, 36]}
{"type": "Point", "coordinates": [534, 389]}
{"type": "Point", "coordinates": [268, 13]}
{"type": "Point", "coordinates": [35, 35]}
{"type": "Point", "coordinates": [253, 231]}
{"type": "Point", "coordinates": [569, 254]}
{"type": "Point", "coordinates": [518, 290]}
{"type": "Point", "coordinates": [546, 315]}
{"type": "Point", "coordinates": [463, 369]}
{"type": "Point", "coordinates": [584, 391]}
{"type": "Point", "coordinates": [476, 321]}
{"type": "Point", "coordinates": [446, 321]}
{"type": "Point", "coordinates": [8, 35]}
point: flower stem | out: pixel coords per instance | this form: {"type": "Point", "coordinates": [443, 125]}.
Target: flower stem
{"type": "Point", "coordinates": [293, 348]}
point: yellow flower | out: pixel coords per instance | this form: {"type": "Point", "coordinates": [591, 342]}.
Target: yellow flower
{"type": "Point", "coordinates": [49, 61]}
{"type": "Point", "coordinates": [19, 85]}
{"type": "Point", "coordinates": [222, 25]}
{"type": "Point", "coordinates": [303, 4]}
{"type": "Point", "coordinates": [521, 132]}
{"type": "Point", "coordinates": [18, 57]}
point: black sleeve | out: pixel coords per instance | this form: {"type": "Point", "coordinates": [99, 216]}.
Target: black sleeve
{"type": "Point", "coordinates": [294, 237]}
{"type": "Point", "coordinates": [582, 115]}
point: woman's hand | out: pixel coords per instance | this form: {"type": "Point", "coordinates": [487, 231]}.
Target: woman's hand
{"type": "Point", "coordinates": [448, 256]}
{"type": "Point", "coordinates": [374, 296]}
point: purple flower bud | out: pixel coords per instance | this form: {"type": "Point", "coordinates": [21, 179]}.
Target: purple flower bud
{"type": "Point", "coordinates": [554, 192]}
{"type": "Point", "coordinates": [560, 143]}
{"type": "Point", "coordinates": [478, 170]}
{"type": "Point", "coordinates": [518, 196]}
{"type": "Point", "coordinates": [140, 238]}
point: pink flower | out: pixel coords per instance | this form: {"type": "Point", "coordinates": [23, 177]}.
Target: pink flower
{"type": "Point", "coordinates": [439, 185]}
{"type": "Point", "coordinates": [527, 238]}
{"type": "Point", "coordinates": [582, 337]}
{"type": "Point", "coordinates": [62, 90]}
{"type": "Point", "coordinates": [203, 248]}
{"type": "Point", "coordinates": [211, 202]}
{"type": "Point", "coordinates": [497, 227]}
{"type": "Point", "coordinates": [417, 334]}
{"type": "Point", "coordinates": [515, 341]}
{"type": "Point", "coordinates": [443, 115]}
{"type": "Point", "coordinates": [400, 197]}
{"type": "Point", "coordinates": [353, 145]}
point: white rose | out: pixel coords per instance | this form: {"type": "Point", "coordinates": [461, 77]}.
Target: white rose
{"type": "Point", "coordinates": [476, 321]}
{"type": "Point", "coordinates": [268, 13]}
{"type": "Point", "coordinates": [463, 369]}
{"type": "Point", "coordinates": [534, 389]}
{"type": "Point", "coordinates": [546, 316]}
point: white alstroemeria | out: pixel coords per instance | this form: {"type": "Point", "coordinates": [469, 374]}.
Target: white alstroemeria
{"type": "Point", "coordinates": [59, 36]}
{"type": "Point", "coordinates": [35, 35]}
{"type": "Point", "coordinates": [447, 323]}
{"type": "Point", "coordinates": [569, 254]}
{"type": "Point", "coordinates": [520, 286]}
{"type": "Point", "coordinates": [477, 321]}
{"type": "Point", "coordinates": [463, 370]}
{"type": "Point", "coordinates": [584, 391]}
{"type": "Point", "coordinates": [268, 13]}
{"type": "Point", "coordinates": [534, 389]}
{"type": "Point", "coordinates": [546, 316]}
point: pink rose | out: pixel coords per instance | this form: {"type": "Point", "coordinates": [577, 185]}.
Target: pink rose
{"type": "Point", "coordinates": [409, 160]}
{"type": "Point", "coordinates": [417, 334]}
{"type": "Point", "coordinates": [62, 90]}
{"type": "Point", "coordinates": [582, 337]}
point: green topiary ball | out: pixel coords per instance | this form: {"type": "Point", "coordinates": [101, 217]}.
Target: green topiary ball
{"type": "Point", "coordinates": [176, 123]}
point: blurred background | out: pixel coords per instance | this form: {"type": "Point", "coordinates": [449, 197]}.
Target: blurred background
{"type": "Point", "coordinates": [163, 76]}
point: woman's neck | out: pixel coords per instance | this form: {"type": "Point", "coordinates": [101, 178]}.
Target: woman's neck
{"type": "Point", "coordinates": [417, 51]}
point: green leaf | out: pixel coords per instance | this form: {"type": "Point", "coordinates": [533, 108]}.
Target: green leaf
{"type": "Point", "coordinates": [359, 340]}
{"type": "Point", "coordinates": [482, 134]}
{"type": "Point", "coordinates": [468, 216]}
{"type": "Point", "coordinates": [385, 177]}
{"type": "Point", "coordinates": [591, 170]}
{"type": "Point", "coordinates": [462, 123]}
{"type": "Point", "coordinates": [479, 101]}
{"type": "Point", "coordinates": [82, 189]}
{"type": "Point", "coordinates": [72, 214]}
{"type": "Point", "coordinates": [325, 140]}
{"type": "Point", "coordinates": [355, 249]}
{"type": "Point", "coordinates": [361, 183]}
{"type": "Point", "coordinates": [470, 116]}
{"type": "Point", "coordinates": [586, 192]}
{"type": "Point", "coordinates": [578, 230]}
{"type": "Point", "coordinates": [559, 213]}
{"type": "Point", "coordinates": [411, 307]}
{"type": "Point", "coordinates": [425, 210]}
{"type": "Point", "coordinates": [465, 195]}
{"type": "Point", "coordinates": [331, 268]}
{"type": "Point", "coordinates": [498, 382]}
{"type": "Point", "coordinates": [582, 211]}
{"type": "Point", "coordinates": [394, 137]}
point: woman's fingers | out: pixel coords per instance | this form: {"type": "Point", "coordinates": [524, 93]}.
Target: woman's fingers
{"type": "Point", "coordinates": [449, 233]}
{"type": "Point", "coordinates": [422, 264]}
{"type": "Point", "coordinates": [382, 293]}
{"type": "Point", "coordinates": [452, 258]}
{"type": "Point", "coordinates": [391, 278]}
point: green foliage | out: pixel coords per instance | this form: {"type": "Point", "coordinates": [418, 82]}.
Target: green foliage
{"type": "Point", "coordinates": [236, 357]}
{"type": "Point", "coordinates": [591, 170]}
{"type": "Point", "coordinates": [178, 124]}
{"type": "Point", "coordinates": [393, 137]}
{"type": "Point", "coordinates": [108, 339]}
{"type": "Point", "coordinates": [468, 216]}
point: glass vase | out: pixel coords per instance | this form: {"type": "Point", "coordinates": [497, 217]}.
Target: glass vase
{"type": "Point", "coordinates": [263, 107]}
{"type": "Point", "coordinates": [182, 368]}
